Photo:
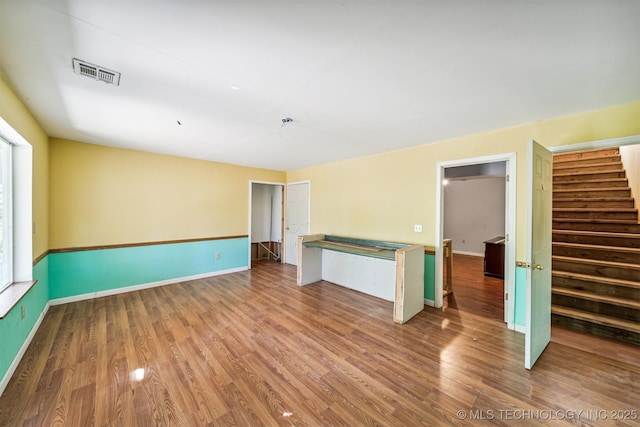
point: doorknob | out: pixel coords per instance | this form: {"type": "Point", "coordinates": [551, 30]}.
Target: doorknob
{"type": "Point", "coordinates": [538, 266]}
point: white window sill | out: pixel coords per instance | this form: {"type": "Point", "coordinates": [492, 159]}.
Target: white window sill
{"type": "Point", "coordinates": [10, 297]}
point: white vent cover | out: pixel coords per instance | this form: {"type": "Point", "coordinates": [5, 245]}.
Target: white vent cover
{"type": "Point", "coordinates": [96, 72]}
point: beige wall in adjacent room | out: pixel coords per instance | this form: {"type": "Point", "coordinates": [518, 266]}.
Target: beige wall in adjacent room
{"type": "Point", "coordinates": [383, 196]}
{"type": "Point", "coordinates": [102, 196]}
{"type": "Point", "coordinates": [14, 112]}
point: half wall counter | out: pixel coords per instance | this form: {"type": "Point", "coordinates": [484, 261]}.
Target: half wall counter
{"type": "Point", "coordinates": [391, 271]}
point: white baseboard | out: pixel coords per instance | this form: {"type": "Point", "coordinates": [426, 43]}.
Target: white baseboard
{"type": "Point", "coordinates": [429, 302]}
{"type": "Point", "coordinates": [126, 289]}
{"type": "Point", "coordinates": [519, 328]}
{"type": "Point", "coordinates": [468, 253]}
{"type": "Point", "coordinates": [16, 360]}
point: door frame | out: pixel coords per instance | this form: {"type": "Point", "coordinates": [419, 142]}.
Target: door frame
{"type": "Point", "coordinates": [510, 228]}
{"type": "Point", "coordinates": [286, 210]}
{"type": "Point", "coordinates": [251, 182]}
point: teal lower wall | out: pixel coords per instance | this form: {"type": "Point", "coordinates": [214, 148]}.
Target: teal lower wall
{"type": "Point", "coordinates": [69, 274]}
{"type": "Point", "coordinates": [89, 271]}
{"type": "Point", "coordinates": [520, 305]}
{"type": "Point", "coordinates": [14, 330]}
{"type": "Point", "coordinates": [430, 277]}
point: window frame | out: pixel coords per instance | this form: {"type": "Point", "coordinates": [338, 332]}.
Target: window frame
{"type": "Point", "coordinates": [22, 212]}
{"type": "Point", "coordinates": [6, 213]}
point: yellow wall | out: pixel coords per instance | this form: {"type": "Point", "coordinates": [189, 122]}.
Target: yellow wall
{"type": "Point", "coordinates": [102, 195]}
{"type": "Point", "coordinates": [383, 196]}
{"type": "Point", "coordinates": [14, 112]}
{"type": "Point", "coordinates": [97, 195]}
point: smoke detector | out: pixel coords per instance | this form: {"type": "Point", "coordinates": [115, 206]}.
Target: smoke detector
{"type": "Point", "coordinates": [96, 72]}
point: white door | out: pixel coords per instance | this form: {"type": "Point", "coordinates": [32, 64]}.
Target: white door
{"type": "Point", "coordinates": [297, 218]}
{"type": "Point", "coordinates": [538, 317]}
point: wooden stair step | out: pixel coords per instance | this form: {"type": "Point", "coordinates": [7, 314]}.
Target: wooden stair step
{"type": "Point", "coordinates": [609, 225]}
{"type": "Point", "coordinates": [599, 252]}
{"type": "Point", "coordinates": [591, 296]}
{"type": "Point", "coordinates": [587, 154]}
{"type": "Point", "coordinates": [559, 163]}
{"type": "Point", "coordinates": [577, 168]}
{"type": "Point", "coordinates": [594, 267]}
{"type": "Point", "coordinates": [587, 246]}
{"type": "Point", "coordinates": [559, 177]}
{"type": "Point", "coordinates": [596, 318]}
{"type": "Point", "coordinates": [597, 284]}
{"type": "Point", "coordinates": [608, 281]}
{"type": "Point", "coordinates": [592, 192]}
{"type": "Point", "coordinates": [600, 263]}
{"type": "Point", "coordinates": [592, 183]}
{"type": "Point", "coordinates": [596, 213]}
{"type": "Point", "coordinates": [629, 240]}
{"type": "Point", "coordinates": [598, 221]}
{"type": "Point", "coordinates": [633, 210]}
{"type": "Point", "coordinates": [598, 233]}
{"type": "Point", "coordinates": [594, 202]}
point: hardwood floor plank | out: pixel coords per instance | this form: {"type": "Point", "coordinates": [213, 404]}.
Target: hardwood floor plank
{"type": "Point", "coordinates": [82, 406]}
{"type": "Point", "coordinates": [473, 291]}
{"type": "Point", "coordinates": [252, 348]}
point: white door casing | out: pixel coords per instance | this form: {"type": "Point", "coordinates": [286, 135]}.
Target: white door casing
{"type": "Point", "coordinates": [510, 229]}
{"type": "Point", "coordinates": [297, 218]}
{"type": "Point", "coordinates": [538, 286]}
{"type": "Point", "coordinates": [250, 225]}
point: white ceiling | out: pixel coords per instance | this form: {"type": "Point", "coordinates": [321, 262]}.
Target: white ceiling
{"type": "Point", "coordinates": [357, 77]}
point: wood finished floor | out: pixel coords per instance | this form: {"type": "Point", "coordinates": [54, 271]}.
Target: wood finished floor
{"type": "Point", "coordinates": [253, 349]}
{"type": "Point", "coordinates": [482, 295]}
{"type": "Point", "coordinates": [473, 292]}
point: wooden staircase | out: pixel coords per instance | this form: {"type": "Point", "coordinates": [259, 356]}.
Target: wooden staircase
{"type": "Point", "coordinates": [596, 246]}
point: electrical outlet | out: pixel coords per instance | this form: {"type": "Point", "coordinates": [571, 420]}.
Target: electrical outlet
{"type": "Point", "coordinates": [417, 228]}
{"type": "Point", "coordinates": [22, 311]}
{"type": "Point", "coordinates": [217, 255]}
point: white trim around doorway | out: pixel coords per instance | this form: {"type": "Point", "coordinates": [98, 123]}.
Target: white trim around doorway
{"type": "Point", "coordinates": [510, 227]}
{"type": "Point", "coordinates": [251, 182]}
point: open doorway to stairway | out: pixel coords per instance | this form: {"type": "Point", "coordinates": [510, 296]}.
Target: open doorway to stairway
{"type": "Point", "coordinates": [596, 242]}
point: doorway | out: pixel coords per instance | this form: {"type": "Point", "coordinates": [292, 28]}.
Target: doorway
{"type": "Point", "coordinates": [265, 221]}
{"type": "Point", "coordinates": [474, 222]}
{"type": "Point", "coordinates": [484, 172]}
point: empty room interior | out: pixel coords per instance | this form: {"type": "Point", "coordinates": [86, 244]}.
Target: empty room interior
{"type": "Point", "coordinates": [319, 213]}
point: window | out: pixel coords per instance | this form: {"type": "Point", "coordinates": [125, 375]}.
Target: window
{"type": "Point", "coordinates": [16, 207]}
{"type": "Point", "coordinates": [6, 223]}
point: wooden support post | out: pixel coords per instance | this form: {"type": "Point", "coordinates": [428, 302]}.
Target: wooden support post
{"type": "Point", "coordinates": [447, 287]}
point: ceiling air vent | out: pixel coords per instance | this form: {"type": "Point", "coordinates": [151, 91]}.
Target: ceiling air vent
{"type": "Point", "coordinates": [96, 72]}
